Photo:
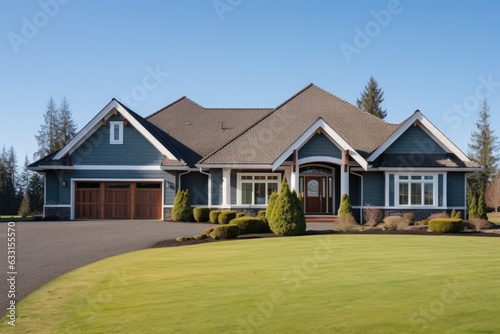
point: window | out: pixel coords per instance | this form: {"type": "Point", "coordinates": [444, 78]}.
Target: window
{"type": "Point", "coordinates": [255, 189]}
{"type": "Point", "coordinates": [116, 132]}
{"type": "Point", "coordinates": [416, 190]}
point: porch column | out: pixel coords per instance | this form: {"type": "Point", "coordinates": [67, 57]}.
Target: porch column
{"type": "Point", "coordinates": [226, 187]}
{"type": "Point", "coordinates": [344, 175]}
{"type": "Point", "coordinates": [294, 175]}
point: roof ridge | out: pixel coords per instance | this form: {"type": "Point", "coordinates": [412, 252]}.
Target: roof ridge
{"type": "Point", "coordinates": [238, 108]}
{"type": "Point", "coordinates": [171, 104]}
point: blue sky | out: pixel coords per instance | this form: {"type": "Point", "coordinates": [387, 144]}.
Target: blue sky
{"type": "Point", "coordinates": [438, 57]}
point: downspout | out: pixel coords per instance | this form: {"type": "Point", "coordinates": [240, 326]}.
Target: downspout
{"type": "Point", "coordinates": [362, 198]}
{"type": "Point", "coordinates": [209, 187]}
{"type": "Point", "coordinates": [180, 179]}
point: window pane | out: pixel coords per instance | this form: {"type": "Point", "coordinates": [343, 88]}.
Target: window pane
{"type": "Point", "coordinates": [116, 132]}
{"type": "Point", "coordinates": [246, 177]}
{"type": "Point", "coordinates": [403, 177]}
{"type": "Point", "coordinates": [271, 187]}
{"type": "Point", "coordinates": [259, 177]}
{"type": "Point", "coordinates": [416, 194]}
{"type": "Point", "coordinates": [272, 177]}
{"type": "Point", "coordinates": [260, 193]}
{"type": "Point", "coordinates": [428, 194]}
{"type": "Point", "coordinates": [313, 188]}
{"type": "Point", "coordinates": [429, 177]}
{"type": "Point", "coordinates": [403, 193]}
{"type": "Point", "coordinates": [246, 193]}
{"type": "Point", "coordinates": [416, 177]}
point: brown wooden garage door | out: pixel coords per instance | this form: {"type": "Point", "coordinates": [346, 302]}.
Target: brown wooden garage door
{"type": "Point", "coordinates": [118, 200]}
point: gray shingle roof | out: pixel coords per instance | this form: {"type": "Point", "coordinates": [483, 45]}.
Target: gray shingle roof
{"type": "Point", "coordinates": [448, 160]}
{"type": "Point", "coordinates": [197, 131]}
{"type": "Point", "coordinates": [269, 138]}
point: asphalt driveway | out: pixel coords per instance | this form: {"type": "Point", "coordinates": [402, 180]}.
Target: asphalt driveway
{"type": "Point", "coordinates": [46, 250]}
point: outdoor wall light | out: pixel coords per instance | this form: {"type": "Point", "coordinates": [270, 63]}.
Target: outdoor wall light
{"type": "Point", "coordinates": [64, 183]}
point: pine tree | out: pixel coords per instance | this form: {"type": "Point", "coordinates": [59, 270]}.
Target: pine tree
{"type": "Point", "coordinates": [271, 205]}
{"type": "Point", "coordinates": [24, 178]}
{"type": "Point", "coordinates": [25, 207]}
{"type": "Point", "coordinates": [473, 208]}
{"type": "Point", "coordinates": [286, 219]}
{"type": "Point", "coordinates": [372, 98]}
{"type": "Point", "coordinates": [481, 208]}
{"type": "Point", "coordinates": [35, 192]}
{"type": "Point", "coordinates": [67, 128]}
{"type": "Point", "coordinates": [9, 196]}
{"type": "Point", "coordinates": [482, 149]}
{"type": "Point", "coordinates": [345, 205]}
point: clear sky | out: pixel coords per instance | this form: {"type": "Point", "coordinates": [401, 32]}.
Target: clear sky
{"type": "Point", "coordinates": [440, 57]}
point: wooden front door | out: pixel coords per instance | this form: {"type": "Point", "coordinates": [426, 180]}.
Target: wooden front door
{"type": "Point", "coordinates": [313, 194]}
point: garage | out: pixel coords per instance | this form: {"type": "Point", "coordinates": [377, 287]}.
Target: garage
{"type": "Point", "coordinates": [118, 200]}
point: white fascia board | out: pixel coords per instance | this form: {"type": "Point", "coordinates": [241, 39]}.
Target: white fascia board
{"type": "Point", "coordinates": [429, 128]}
{"type": "Point", "coordinates": [234, 166]}
{"type": "Point", "coordinates": [427, 169]}
{"type": "Point", "coordinates": [94, 124]}
{"type": "Point", "coordinates": [334, 136]}
{"type": "Point", "coordinates": [115, 167]}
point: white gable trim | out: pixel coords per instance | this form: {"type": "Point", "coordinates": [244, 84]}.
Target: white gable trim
{"type": "Point", "coordinates": [429, 128]}
{"type": "Point", "coordinates": [95, 123]}
{"type": "Point", "coordinates": [309, 133]}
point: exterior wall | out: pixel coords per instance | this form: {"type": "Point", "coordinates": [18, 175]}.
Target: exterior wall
{"type": "Point", "coordinates": [197, 185]}
{"type": "Point", "coordinates": [216, 175]}
{"type": "Point", "coordinates": [355, 190]}
{"type": "Point", "coordinates": [414, 141]}
{"type": "Point", "coordinates": [374, 188]}
{"type": "Point", "coordinates": [320, 145]}
{"type": "Point", "coordinates": [455, 186]}
{"type": "Point", "coordinates": [61, 213]}
{"type": "Point", "coordinates": [135, 150]}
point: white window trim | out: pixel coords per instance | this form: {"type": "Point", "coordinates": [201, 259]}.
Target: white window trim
{"type": "Point", "coordinates": [435, 189]}
{"type": "Point", "coordinates": [239, 186]}
{"type": "Point", "coordinates": [112, 139]}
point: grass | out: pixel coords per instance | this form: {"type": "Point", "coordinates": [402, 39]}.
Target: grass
{"type": "Point", "coordinates": [15, 218]}
{"type": "Point", "coordinates": [494, 220]}
{"type": "Point", "coordinates": [324, 284]}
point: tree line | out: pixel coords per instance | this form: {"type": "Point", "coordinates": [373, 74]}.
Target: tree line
{"type": "Point", "coordinates": [21, 192]}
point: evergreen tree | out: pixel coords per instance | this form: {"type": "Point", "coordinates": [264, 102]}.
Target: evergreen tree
{"type": "Point", "coordinates": [9, 195]}
{"type": "Point", "coordinates": [286, 218]}
{"type": "Point", "coordinates": [270, 205]}
{"type": "Point", "coordinates": [481, 208]}
{"type": "Point", "coordinates": [24, 178]}
{"type": "Point", "coordinates": [67, 129]}
{"type": "Point", "coordinates": [372, 98]}
{"type": "Point", "coordinates": [25, 207]}
{"type": "Point", "coordinates": [345, 205]}
{"type": "Point", "coordinates": [473, 208]}
{"type": "Point", "coordinates": [482, 149]}
{"type": "Point", "coordinates": [35, 192]}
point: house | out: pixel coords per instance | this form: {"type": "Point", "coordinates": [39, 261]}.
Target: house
{"type": "Point", "coordinates": [121, 165]}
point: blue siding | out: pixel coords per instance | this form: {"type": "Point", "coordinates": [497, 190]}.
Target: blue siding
{"type": "Point", "coordinates": [440, 190]}
{"type": "Point", "coordinates": [197, 185]}
{"type": "Point", "coordinates": [455, 187]}
{"type": "Point", "coordinates": [391, 190]}
{"type": "Point", "coordinates": [355, 190]}
{"type": "Point", "coordinates": [135, 150]}
{"type": "Point", "coordinates": [374, 189]}
{"type": "Point", "coordinates": [414, 141]}
{"type": "Point", "coordinates": [233, 186]}
{"type": "Point", "coordinates": [216, 175]}
{"type": "Point", "coordinates": [320, 145]}
{"type": "Point", "coordinates": [336, 183]}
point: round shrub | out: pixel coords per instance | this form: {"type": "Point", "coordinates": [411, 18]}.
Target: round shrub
{"type": "Point", "coordinates": [422, 222]}
{"type": "Point", "coordinates": [240, 214]}
{"type": "Point", "coordinates": [249, 225]}
{"type": "Point", "coordinates": [445, 225]}
{"type": "Point", "coordinates": [201, 214]}
{"type": "Point", "coordinates": [214, 216]}
{"type": "Point", "coordinates": [208, 230]}
{"type": "Point", "coordinates": [226, 216]}
{"type": "Point", "coordinates": [200, 237]}
{"type": "Point", "coordinates": [225, 232]}
{"type": "Point", "coordinates": [261, 214]}
{"type": "Point", "coordinates": [409, 216]}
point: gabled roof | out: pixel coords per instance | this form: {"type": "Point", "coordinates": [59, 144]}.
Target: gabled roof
{"type": "Point", "coordinates": [197, 131]}
{"type": "Point", "coordinates": [268, 139]}
{"type": "Point", "coordinates": [150, 133]}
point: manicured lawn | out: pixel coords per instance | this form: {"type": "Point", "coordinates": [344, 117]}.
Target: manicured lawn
{"type": "Point", "coordinates": [313, 284]}
{"type": "Point", "coordinates": [15, 218]}
{"type": "Point", "coordinates": [495, 220]}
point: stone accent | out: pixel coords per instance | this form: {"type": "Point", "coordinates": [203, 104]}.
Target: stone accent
{"type": "Point", "coordinates": [167, 214]}
{"type": "Point", "coordinates": [60, 213]}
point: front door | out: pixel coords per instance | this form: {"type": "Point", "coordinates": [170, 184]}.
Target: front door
{"type": "Point", "coordinates": [313, 194]}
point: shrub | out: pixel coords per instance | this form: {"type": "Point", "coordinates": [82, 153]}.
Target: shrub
{"type": "Point", "coordinates": [372, 216]}
{"type": "Point", "coordinates": [393, 220]}
{"type": "Point", "coordinates": [453, 213]}
{"type": "Point", "coordinates": [208, 230]}
{"type": "Point", "coordinates": [250, 225]}
{"type": "Point", "coordinates": [438, 215]}
{"type": "Point", "coordinates": [200, 237]}
{"type": "Point", "coordinates": [345, 205]}
{"type": "Point", "coordinates": [181, 239]}
{"type": "Point", "coordinates": [201, 214]}
{"type": "Point", "coordinates": [481, 208]}
{"type": "Point", "coordinates": [181, 210]}
{"type": "Point", "coordinates": [270, 205]}
{"type": "Point", "coordinates": [346, 223]}
{"type": "Point", "coordinates": [286, 218]}
{"type": "Point", "coordinates": [409, 216]}
{"type": "Point", "coordinates": [445, 225]}
{"type": "Point", "coordinates": [480, 224]}
{"type": "Point", "coordinates": [458, 215]}
{"type": "Point", "coordinates": [25, 208]}
{"type": "Point", "coordinates": [473, 208]}
{"type": "Point", "coordinates": [422, 222]}
{"type": "Point", "coordinates": [261, 214]}
{"type": "Point", "coordinates": [226, 216]}
{"type": "Point", "coordinates": [225, 232]}
{"type": "Point", "coordinates": [240, 214]}
{"type": "Point", "coordinates": [214, 216]}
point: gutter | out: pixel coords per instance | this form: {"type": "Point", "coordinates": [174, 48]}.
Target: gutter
{"type": "Point", "coordinates": [209, 186]}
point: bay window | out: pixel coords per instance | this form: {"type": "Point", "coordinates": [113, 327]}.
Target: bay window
{"type": "Point", "coordinates": [416, 189]}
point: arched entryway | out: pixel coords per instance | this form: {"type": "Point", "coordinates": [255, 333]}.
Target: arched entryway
{"type": "Point", "coordinates": [317, 185]}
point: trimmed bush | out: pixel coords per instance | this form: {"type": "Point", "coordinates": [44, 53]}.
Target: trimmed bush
{"type": "Point", "coordinates": [240, 214]}
{"type": "Point", "coordinates": [226, 216]}
{"type": "Point", "coordinates": [261, 214]}
{"type": "Point", "coordinates": [208, 230]}
{"type": "Point", "coordinates": [445, 225]}
{"type": "Point", "coordinates": [286, 218]}
{"type": "Point", "coordinates": [393, 220]}
{"type": "Point", "coordinates": [422, 222]}
{"type": "Point", "coordinates": [453, 213]}
{"type": "Point", "coordinates": [225, 232]}
{"type": "Point", "coordinates": [345, 205]}
{"type": "Point", "coordinates": [346, 223]}
{"type": "Point", "coordinates": [458, 215]}
{"type": "Point", "coordinates": [201, 214]}
{"type": "Point", "coordinates": [409, 216]}
{"type": "Point", "coordinates": [200, 237]}
{"type": "Point", "coordinates": [181, 210]}
{"type": "Point", "coordinates": [270, 205]}
{"type": "Point", "coordinates": [438, 215]}
{"type": "Point", "coordinates": [250, 225]}
{"type": "Point", "coordinates": [214, 216]}
{"type": "Point", "coordinates": [473, 208]}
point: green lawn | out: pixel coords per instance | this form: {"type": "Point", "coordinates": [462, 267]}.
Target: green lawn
{"type": "Point", "coordinates": [313, 284]}
{"type": "Point", "coordinates": [14, 218]}
{"type": "Point", "coordinates": [495, 220]}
